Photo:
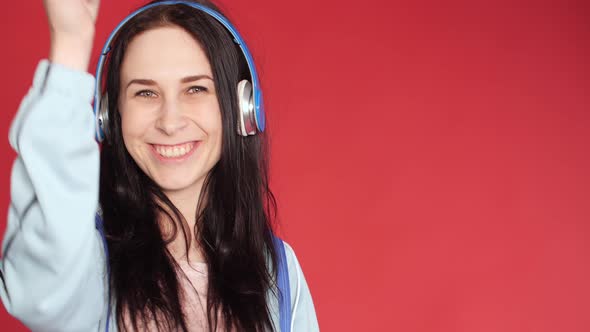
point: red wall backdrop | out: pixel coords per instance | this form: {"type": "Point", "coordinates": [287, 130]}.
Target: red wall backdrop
{"type": "Point", "coordinates": [430, 160]}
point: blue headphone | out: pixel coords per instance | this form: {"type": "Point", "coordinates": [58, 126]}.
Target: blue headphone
{"type": "Point", "coordinates": [251, 107]}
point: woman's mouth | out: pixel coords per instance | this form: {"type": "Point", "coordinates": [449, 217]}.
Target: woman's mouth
{"type": "Point", "coordinates": [177, 152]}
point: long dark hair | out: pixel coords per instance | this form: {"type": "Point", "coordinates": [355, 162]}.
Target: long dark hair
{"type": "Point", "coordinates": [235, 211]}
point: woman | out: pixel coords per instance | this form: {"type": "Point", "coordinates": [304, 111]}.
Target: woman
{"type": "Point", "coordinates": [183, 198]}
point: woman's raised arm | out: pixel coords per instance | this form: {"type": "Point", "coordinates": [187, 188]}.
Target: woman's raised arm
{"type": "Point", "coordinates": [53, 266]}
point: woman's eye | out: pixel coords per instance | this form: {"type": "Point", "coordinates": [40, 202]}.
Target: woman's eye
{"type": "Point", "coordinates": [146, 93]}
{"type": "Point", "coordinates": [196, 89]}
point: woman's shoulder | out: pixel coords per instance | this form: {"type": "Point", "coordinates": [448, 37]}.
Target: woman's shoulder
{"type": "Point", "coordinates": [303, 312]}
{"type": "Point", "coordinates": [292, 260]}
{"type": "Point", "coordinates": [293, 266]}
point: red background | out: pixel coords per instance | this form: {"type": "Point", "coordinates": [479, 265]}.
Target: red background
{"type": "Point", "coordinates": [430, 160]}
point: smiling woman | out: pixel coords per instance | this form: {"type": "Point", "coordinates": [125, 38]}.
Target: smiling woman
{"type": "Point", "coordinates": [179, 191]}
{"type": "Point", "coordinates": [171, 123]}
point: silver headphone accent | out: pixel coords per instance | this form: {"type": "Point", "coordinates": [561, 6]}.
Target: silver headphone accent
{"type": "Point", "coordinates": [246, 120]}
{"type": "Point", "coordinates": [102, 117]}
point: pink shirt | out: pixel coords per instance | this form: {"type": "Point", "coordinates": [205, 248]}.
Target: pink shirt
{"type": "Point", "coordinates": [193, 287]}
{"type": "Point", "coordinates": [194, 303]}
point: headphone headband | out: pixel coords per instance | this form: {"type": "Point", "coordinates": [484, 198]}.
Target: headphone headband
{"type": "Point", "coordinates": [258, 104]}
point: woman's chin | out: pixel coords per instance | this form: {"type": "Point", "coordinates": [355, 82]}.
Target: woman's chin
{"type": "Point", "coordinates": [174, 185]}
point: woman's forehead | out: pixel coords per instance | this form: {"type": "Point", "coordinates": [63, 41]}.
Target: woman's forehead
{"type": "Point", "coordinates": [166, 52]}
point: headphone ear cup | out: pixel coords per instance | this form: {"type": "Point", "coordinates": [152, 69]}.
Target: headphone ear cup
{"type": "Point", "coordinates": [246, 119]}
{"type": "Point", "coordinates": [103, 117]}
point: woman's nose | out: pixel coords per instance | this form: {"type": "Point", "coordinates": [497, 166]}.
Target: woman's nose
{"type": "Point", "coordinates": [171, 119]}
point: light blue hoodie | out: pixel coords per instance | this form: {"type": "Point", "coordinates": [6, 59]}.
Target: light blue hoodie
{"type": "Point", "coordinates": [53, 267]}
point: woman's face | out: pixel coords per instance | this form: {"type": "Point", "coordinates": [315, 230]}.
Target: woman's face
{"type": "Point", "coordinates": [170, 116]}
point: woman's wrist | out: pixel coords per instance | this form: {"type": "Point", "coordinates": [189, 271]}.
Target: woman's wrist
{"type": "Point", "coordinates": [71, 52]}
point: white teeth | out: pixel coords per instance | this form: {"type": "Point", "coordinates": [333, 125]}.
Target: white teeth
{"type": "Point", "coordinates": [174, 152]}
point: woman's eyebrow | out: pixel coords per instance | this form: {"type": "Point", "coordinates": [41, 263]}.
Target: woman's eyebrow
{"type": "Point", "coordinates": [141, 81]}
{"type": "Point", "coordinates": [195, 78]}
{"type": "Point", "coordinates": [187, 79]}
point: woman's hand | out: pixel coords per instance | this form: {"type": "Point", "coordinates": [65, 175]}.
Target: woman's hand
{"type": "Point", "coordinates": [72, 25]}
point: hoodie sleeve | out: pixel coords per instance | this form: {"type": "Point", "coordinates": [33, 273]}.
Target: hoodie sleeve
{"type": "Point", "coordinates": [303, 311]}
{"type": "Point", "coordinates": [53, 267]}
